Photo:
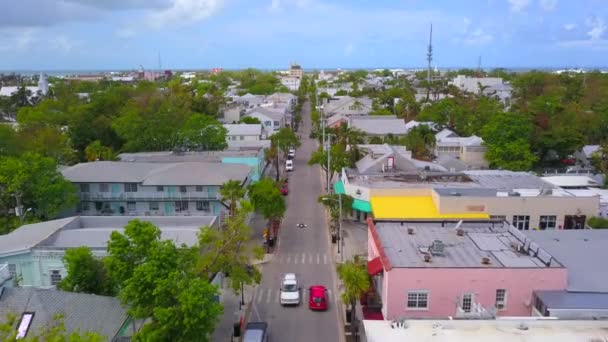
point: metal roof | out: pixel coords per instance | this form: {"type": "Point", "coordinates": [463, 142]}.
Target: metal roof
{"type": "Point", "coordinates": [244, 129]}
{"type": "Point", "coordinates": [191, 156]}
{"type": "Point", "coordinates": [485, 239]}
{"type": "Point", "coordinates": [573, 300]}
{"type": "Point", "coordinates": [379, 125]}
{"type": "Point", "coordinates": [507, 180]}
{"type": "Point", "coordinates": [84, 312]}
{"type": "Point", "coordinates": [186, 173]}
{"type": "Point", "coordinates": [583, 252]}
{"type": "Point", "coordinates": [29, 235]}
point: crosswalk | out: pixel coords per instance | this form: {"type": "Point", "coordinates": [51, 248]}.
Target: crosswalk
{"type": "Point", "coordinates": [303, 259]}
{"type": "Point", "coordinates": [270, 295]}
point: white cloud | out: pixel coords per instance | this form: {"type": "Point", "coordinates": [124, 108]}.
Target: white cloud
{"type": "Point", "coordinates": [279, 5]}
{"type": "Point", "coordinates": [596, 45]}
{"type": "Point", "coordinates": [478, 37]}
{"type": "Point", "coordinates": [125, 32]}
{"type": "Point", "coordinates": [61, 43]}
{"type": "Point", "coordinates": [519, 5]}
{"type": "Point", "coordinates": [569, 27]}
{"type": "Point", "coordinates": [349, 49]}
{"type": "Point", "coordinates": [466, 23]}
{"type": "Point", "coordinates": [185, 12]}
{"type": "Point", "coordinates": [275, 6]}
{"type": "Point", "coordinates": [17, 39]}
{"type": "Point", "coordinates": [548, 5]}
{"type": "Point", "coordinates": [598, 27]}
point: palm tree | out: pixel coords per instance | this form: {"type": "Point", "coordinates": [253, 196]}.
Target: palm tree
{"type": "Point", "coordinates": [271, 156]}
{"type": "Point", "coordinates": [355, 278]}
{"type": "Point", "coordinates": [232, 191]}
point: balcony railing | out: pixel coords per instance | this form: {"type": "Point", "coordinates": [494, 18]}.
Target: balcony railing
{"type": "Point", "coordinates": [148, 196]}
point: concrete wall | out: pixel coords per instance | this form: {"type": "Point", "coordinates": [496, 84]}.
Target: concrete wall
{"type": "Point", "coordinates": [533, 206]}
{"type": "Point", "coordinates": [446, 285]}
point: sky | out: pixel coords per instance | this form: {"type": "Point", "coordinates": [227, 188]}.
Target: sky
{"type": "Point", "coordinates": [269, 34]}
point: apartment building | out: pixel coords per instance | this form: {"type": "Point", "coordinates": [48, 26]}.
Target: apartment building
{"type": "Point", "coordinates": [153, 189]}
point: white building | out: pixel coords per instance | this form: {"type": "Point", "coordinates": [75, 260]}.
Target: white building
{"type": "Point", "coordinates": [468, 150]}
{"type": "Point", "coordinates": [272, 121]}
{"type": "Point", "coordinates": [243, 132]}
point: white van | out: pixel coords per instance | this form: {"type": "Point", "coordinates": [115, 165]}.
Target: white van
{"type": "Point", "coordinates": [289, 165]}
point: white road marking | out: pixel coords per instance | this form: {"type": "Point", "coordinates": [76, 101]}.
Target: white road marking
{"type": "Point", "coordinates": [325, 259]}
{"type": "Point", "coordinates": [310, 258]}
{"type": "Point", "coordinates": [268, 296]}
{"type": "Point", "coordinates": [288, 259]}
{"type": "Point", "coordinates": [260, 294]}
{"type": "Point", "coordinates": [295, 259]}
{"type": "Point", "coordinates": [318, 258]}
{"type": "Point", "coordinates": [303, 258]}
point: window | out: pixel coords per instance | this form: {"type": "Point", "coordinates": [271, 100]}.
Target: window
{"type": "Point", "coordinates": [241, 137]}
{"type": "Point", "coordinates": [501, 299]}
{"type": "Point", "coordinates": [104, 187]}
{"type": "Point", "coordinates": [98, 206]}
{"type": "Point", "coordinates": [153, 206]}
{"type": "Point", "coordinates": [24, 325]}
{"type": "Point", "coordinates": [199, 188]}
{"type": "Point", "coordinates": [84, 206]}
{"type": "Point", "coordinates": [183, 189]}
{"type": "Point", "coordinates": [130, 187]}
{"type": "Point", "coordinates": [417, 300]}
{"type": "Point", "coordinates": [498, 218]}
{"type": "Point", "coordinates": [267, 123]}
{"type": "Point", "coordinates": [131, 206]}
{"type": "Point", "coordinates": [277, 124]}
{"type": "Point", "coordinates": [12, 269]}
{"type": "Point", "coordinates": [84, 187]}
{"type": "Point", "coordinates": [466, 302]}
{"type": "Point", "coordinates": [548, 222]}
{"type": "Point", "coordinates": [202, 205]}
{"type": "Point", "coordinates": [160, 188]}
{"type": "Point", "coordinates": [55, 277]}
{"type": "Point", "coordinates": [521, 222]}
{"type": "Point", "coordinates": [181, 206]}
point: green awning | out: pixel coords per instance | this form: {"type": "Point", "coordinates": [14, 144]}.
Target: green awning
{"type": "Point", "coordinates": [339, 188]}
{"type": "Point", "coordinates": [363, 206]}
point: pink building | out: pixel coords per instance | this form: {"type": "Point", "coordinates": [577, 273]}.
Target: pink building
{"type": "Point", "coordinates": [462, 270]}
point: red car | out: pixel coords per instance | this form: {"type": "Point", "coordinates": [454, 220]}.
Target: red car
{"type": "Point", "coordinates": [317, 297]}
{"type": "Point", "coordinates": [285, 189]}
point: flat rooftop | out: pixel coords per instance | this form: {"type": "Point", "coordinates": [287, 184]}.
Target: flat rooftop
{"type": "Point", "coordinates": [582, 252]}
{"type": "Point", "coordinates": [94, 231]}
{"type": "Point", "coordinates": [500, 330]}
{"type": "Point", "coordinates": [172, 157]}
{"type": "Point", "coordinates": [495, 241]}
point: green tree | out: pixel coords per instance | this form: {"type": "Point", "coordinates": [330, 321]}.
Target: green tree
{"type": "Point", "coordinates": [203, 132]}
{"type": "Point", "coordinates": [86, 273]}
{"type": "Point", "coordinates": [507, 136]}
{"type": "Point", "coordinates": [32, 181]}
{"type": "Point", "coordinates": [339, 159]}
{"type": "Point", "coordinates": [355, 278]}
{"type": "Point", "coordinates": [161, 283]}
{"type": "Point", "coordinates": [250, 120]}
{"type": "Point", "coordinates": [332, 203]}
{"type": "Point", "coordinates": [285, 139]}
{"type": "Point", "coordinates": [96, 151]}
{"type": "Point", "coordinates": [10, 145]}
{"type": "Point", "coordinates": [421, 141]}
{"type": "Point", "coordinates": [266, 198]}
{"type": "Point", "coordinates": [232, 192]}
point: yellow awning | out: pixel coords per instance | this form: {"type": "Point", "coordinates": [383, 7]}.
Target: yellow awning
{"type": "Point", "coordinates": [414, 207]}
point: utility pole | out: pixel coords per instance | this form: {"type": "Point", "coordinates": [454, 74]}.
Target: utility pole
{"type": "Point", "coordinates": [429, 59]}
{"type": "Point", "coordinates": [340, 228]}
{"type": "Point", "coordinates": [328, 161]}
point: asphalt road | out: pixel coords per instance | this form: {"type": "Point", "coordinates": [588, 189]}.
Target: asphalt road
{"type": "Point", "coordinates": [304, 251]}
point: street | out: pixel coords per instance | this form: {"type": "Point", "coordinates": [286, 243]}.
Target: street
{"type": "Point", "coordinates": [304, 251]}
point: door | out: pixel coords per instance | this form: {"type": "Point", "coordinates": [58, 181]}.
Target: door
{"type": "Point", "coordinates": [172, 192]}
{"type": "Point", "coordinates": [169, 208]}
{"type": "Point", "coordinates": [116, 188]}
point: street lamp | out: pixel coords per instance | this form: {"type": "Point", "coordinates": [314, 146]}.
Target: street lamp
{"type": "Point", "coordinates": [22, 215]}
{"type": "Point", "coordinates": [326, 199]}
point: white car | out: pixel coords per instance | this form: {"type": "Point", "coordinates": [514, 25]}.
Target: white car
{"type": "Point", "coordinates": [291, 153]}
{"type": "Point", "coordinates": [290, 291]}
{"type": "Point", "coordinates": [289, 165]}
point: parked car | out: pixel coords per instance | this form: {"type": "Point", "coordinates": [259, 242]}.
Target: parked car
{"type": "Point", "coordinates": [317, 297]}
{"type": "Point", "coordinates": [291, 153]}
{"type": "Point", "coordinates": [256, 332]}
{"type": "Point", "coordinates": [289, 165]}
{"type": "Point", "coordinates": [290, 291]}
{"type": "Point", "coordinates": [285, 189]}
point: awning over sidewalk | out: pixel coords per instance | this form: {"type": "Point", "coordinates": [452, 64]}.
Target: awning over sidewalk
{"type": "Point", "coordinates": [374, 266]}
{"type": "Point", "coordinates": [363, 206]}
{"type": "Point", "coordinates": [339, 188]}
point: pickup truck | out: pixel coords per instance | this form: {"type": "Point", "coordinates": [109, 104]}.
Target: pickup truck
{"type": "Point", "coordinates": [256, 332]}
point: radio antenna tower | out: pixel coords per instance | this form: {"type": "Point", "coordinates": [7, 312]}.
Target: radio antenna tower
{"type": "Point", "coordinates": [160, 64]}
{"type": "Point", "coordinates": [429, 56]}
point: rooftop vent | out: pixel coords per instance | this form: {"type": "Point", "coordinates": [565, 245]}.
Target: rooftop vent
{"type": "Point", "coordinates": [485, 261]}
{"type": "Point", "coordinates": [427, 258]}
{"type": "Point", "coordinates": [460, 232]}
{"type": "Point", "coordinates": [437, 247]}
{"type": "Point", "coordinates": [410, 231]}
